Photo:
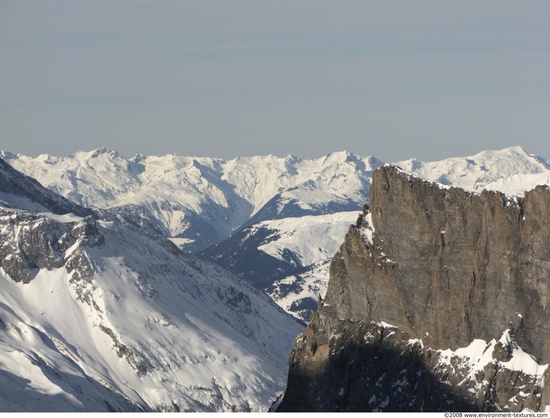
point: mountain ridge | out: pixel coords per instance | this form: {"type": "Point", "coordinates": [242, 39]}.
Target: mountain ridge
{"type": "Point", "coordinates": [238, 189]}
{"type": "Point", "coordinates": [175, 191]}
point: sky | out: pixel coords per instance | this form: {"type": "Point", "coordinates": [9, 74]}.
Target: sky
{"type": "Point", "coordinates": [428, 79]}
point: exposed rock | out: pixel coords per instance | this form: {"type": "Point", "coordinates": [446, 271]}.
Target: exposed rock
{"type": "Point", "coordinates": [86, 231]}
{"type": "Point", "coordinates": [342, 365]}
{"type": "Point", "coordinates": [123, 351]}
{"type": "Point", "coordinates": [32, 241]}
{"type": "Point", "coordinates": [445, 267]}
{"type": "Point", "coordinates": [502, 352]}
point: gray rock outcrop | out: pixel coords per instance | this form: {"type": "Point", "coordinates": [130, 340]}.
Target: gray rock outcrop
{"type": "Point", "coordinates": [29, 242]}
{"type": "Point", "coordinates": [445, 268]}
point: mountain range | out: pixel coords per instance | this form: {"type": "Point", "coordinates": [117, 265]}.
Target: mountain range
{"type": "Point", "coordinates": [140, 284]}
{"type": "Point", "coordinates": [244, 214]}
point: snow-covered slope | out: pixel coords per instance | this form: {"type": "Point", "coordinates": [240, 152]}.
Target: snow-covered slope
{"type": "Point", "coordinates": [24, 192]}
{"type": "Point", "coordinates": [288, 258]}
{"type": "Point", "coordinates": [100, 313]}
{"type": "Point", "coordinates": [200, 201]}
{"type": "Point", "coordinates": [486, 170]}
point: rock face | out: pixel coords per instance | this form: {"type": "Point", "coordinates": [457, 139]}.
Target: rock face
{"type": "Point", "coordinates": [31, 242]}
{"type": "Point", "coordinates": [449, 270]}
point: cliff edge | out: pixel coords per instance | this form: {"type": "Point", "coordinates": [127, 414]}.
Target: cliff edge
{"type": "Point", "coordinates": [437, 300]}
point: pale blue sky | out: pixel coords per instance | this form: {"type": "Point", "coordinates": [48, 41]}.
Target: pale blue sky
{"type": "Point", "coordinates": [395, 79]}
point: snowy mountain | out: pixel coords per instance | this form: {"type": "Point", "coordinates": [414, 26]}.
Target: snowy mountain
{"type": "Point", "coordinates": [255, 216]}
{"type": "Point", "coordinates": [487, 170]}
{"type": "Point", "coordinates": [100, 313]}
{"type": "Point", "coordinates": [24, 192]}
{"type": "Point", "coordinates": [287, 258]}
{"type": "Point", "coordinates": [200, 201]}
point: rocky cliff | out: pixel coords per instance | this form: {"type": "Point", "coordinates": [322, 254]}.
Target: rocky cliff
{"type": "Point", "coordinates": [437, 300]}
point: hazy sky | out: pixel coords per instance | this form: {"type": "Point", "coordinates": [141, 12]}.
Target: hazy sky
{"type": "Point", "coordinates": [395, 79]}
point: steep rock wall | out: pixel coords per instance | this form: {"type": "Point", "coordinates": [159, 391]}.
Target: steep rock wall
{"type": "Point", "coordinates": [445, 267]}
{"type": "Point", "coordinates": [450, 264]}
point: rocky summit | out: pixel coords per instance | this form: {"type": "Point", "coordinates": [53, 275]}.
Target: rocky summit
{"type": "Point", "coordinates": [437, 300]}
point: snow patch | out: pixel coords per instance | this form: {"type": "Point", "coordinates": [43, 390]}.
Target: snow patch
{"type": "Point", "coordinates": [367, 230]}
{"type": "Point", "coordinates": [480, 353]}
